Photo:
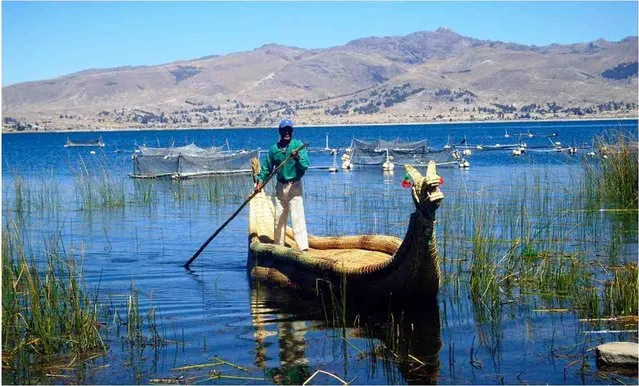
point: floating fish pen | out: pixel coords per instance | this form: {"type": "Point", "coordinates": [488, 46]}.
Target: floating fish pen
{"type": "Point", "coordinates": [399, 152]}
{"type": "Point", "coordinates": [84, 143]}
{"type": "Point", "coordinates": [189, 161]}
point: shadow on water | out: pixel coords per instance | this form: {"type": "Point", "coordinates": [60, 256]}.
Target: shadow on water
{"type": "Point", "coordinates": [403, 340]}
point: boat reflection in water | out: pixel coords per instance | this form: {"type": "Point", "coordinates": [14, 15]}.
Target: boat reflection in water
{"type": "Point", "coordinates": [405, 340]}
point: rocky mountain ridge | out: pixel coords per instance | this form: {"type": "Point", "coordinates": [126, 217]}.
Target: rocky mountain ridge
{"type": "Point", "coordinates": [421, 77]}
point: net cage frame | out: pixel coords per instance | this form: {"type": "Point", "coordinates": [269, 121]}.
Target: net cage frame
{"type": "Point", "coordinates": [190, 161]}
{"type": "Point", "coordinates": [416, 153]}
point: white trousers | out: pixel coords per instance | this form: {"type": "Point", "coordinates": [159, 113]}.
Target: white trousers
{"type": "Point", "coordinates": [288, 198]}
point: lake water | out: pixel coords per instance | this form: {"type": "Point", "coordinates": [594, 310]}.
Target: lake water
{"type": "Point", "coordinates": [212, 311]}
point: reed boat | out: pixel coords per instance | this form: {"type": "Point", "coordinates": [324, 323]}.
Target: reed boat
{"type": "Point", "coordinates": [370, 266]}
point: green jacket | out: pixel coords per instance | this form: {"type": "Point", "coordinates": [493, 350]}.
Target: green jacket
{"type": "Point", "coordinates": [292, 171]}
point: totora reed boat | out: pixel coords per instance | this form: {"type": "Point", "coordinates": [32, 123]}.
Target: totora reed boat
{"type": "Point", "coordinates": [375, 266]}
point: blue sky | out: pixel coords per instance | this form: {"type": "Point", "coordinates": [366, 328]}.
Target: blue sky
{"type": "Point", "coordinates": [43, 40]}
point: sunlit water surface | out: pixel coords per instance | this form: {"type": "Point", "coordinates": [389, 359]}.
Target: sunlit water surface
{"type": "Point", "coordinates": [212, 312]}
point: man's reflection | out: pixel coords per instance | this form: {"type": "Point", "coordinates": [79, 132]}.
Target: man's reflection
{"type": "Point", "coordinates": [407, 337]}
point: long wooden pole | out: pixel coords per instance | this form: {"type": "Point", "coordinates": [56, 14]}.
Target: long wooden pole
{"type": "Point", "coordinates": [277, 169]}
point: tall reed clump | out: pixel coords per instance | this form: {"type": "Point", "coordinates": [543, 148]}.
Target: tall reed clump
{"type": "Point", "coordinates": [614, 179]}
{"type": "Point", "coordinates": [485, 274]}
{"type": "Point", "coordinates": [48, 195]}
{"type": "Point", "coordinates": [21, 195]}
{"type": "Point", "coordinates": [145, 192]}
{"type": "Point", "coordinates": [142, 328]}
{"type": "Point", "coordinates": [620, 293]}
{"type": "Point", "coordinates": [137, 324]}
{"type": "Point", "coordinates": [98, 187]}
{"type": "Point", "coordinates": [214, 189]}
{"type": "Point", "coordinates": [46, 311]}
{"type": "Point", "coordinates": [534, 240]}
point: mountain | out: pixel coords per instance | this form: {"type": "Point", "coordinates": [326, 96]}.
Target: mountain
{"type": "Point", "coordinates": [424, 76]}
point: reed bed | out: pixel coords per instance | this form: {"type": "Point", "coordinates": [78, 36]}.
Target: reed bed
{"type": "Point", "coordinates": [620, 294]}
{"type": "Point", "coordinates": [614, 179]}
{"type": "Point", "coordinates": [51, 323]}
{"type": "Point", "coordinates": [215, 190]}
{"type": "Point", "coordinates": [21, 195]}
{"type": "Point", "coordinates": [49, 195]}
{"type": "Point", "coordinates": [535, 240]}
{"type": "Point", "coordinates": [142, 329]}
{"type": "Point", "coordinates": [47, 312]}
{"type": "Point", "coordinates": [96, 187]}
{"type": "Point", "coordinates": [145, 192]}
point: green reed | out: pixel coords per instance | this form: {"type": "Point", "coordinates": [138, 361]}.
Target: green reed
{"type": "Point", "coordinates": [614, 179]}
{"type": "Point", "coordinates": [484, 275]}
{"type": "Point", "coordinates": [142, 328]}
{"type": "Point", "coordinates": [529, 240]}
{"type": "Point", "coordinates": [48, 196]}
{"type": "Point", "coordinates": [96, 187]}
{"type": "Point", "coordinates": [46, 309]}
{"type": "Point", "coordinates": [621, 291]}
{"type": "Point", "coordinates": [145, 192]}
{"type": "Point", "coordinates": [335, 315]}
{"type": "Point", "coordinates": [214, 189]}
{"type": "Point", "coordinates": [21, 195]}
{"type": "Point", "coordinates": [48, 317]}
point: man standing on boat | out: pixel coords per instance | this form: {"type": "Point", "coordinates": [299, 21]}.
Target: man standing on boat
{"type": "Point", "coordinates": [288, 191]}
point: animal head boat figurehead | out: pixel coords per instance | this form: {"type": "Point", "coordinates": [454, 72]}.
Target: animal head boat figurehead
{"type": "Point", "coordinates": [426, 193]}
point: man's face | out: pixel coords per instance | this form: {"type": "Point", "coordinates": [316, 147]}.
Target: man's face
{"type": "Point", "coordinates": [286, 133]}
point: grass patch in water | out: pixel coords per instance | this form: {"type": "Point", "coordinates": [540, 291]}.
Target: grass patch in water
{"type": "Point", "coordinates": [21, 195]}
{"type": "Point", "coordinates": [614, 179]}
{"type": "Point", "coordinates": [47, 316]}
{"type": "Point", "coordinates": [215, 189]}
{"type": "Point", "coordinates": [96, 187]}
{"type": "Point", "coordinates": [51, 326]}
{"type": "Point", "coordinates": [48, 196]}
{"type": "Point", "coordinates": [620, 293]}
{"type": "Point", "coordinates": [145, 192]}
{"type": "Point", "coordinates": [510, 244]}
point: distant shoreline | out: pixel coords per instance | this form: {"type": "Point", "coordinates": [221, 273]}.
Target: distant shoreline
{"type": "Point", "coordinates": [475, 122]}
{"type": "Point", "coordinates": [559, 120]}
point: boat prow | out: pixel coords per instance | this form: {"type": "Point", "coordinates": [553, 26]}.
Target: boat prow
{"type": "Point", "coordinates": [369, 265]}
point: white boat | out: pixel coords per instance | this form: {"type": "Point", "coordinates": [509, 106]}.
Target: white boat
{"type": "Point", "coordinates": [388, 164]}
{"type": "Point", "coordinates": [519, 151]}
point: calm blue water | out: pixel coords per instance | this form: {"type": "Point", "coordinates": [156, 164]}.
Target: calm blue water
{"type": "Point", "coordinates": [33, 153]}
{"type": "Point", "coordinates": [273, 336]}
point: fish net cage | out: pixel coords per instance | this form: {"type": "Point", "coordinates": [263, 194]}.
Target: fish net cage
{"type": "Point", "coordinates": [189, 161]}
{"type": "Point", "coordinates": [397, 151]}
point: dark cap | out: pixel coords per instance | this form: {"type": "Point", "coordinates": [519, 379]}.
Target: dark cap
{"type": "Point", "coordinates": [286, 123]}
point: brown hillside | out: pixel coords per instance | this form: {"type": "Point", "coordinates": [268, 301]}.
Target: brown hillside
{"type": "Point", "coordinates": [422, 76]}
